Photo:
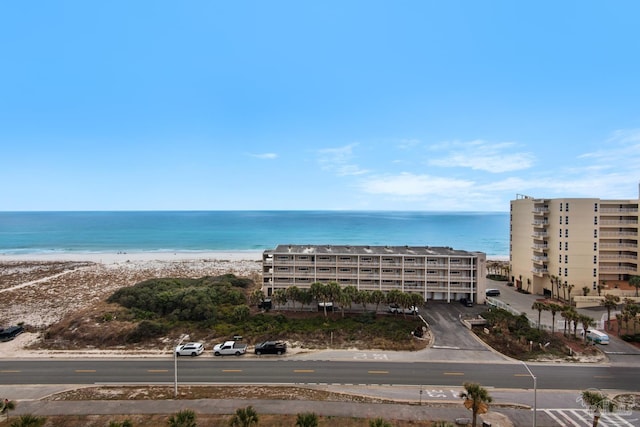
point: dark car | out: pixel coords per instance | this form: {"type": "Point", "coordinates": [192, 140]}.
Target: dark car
{"type": "Point", "coordinates": [493, 292]}
{"type": "Point", "coordinates": [466, 302]}
{"type": "Point", "coordinates": [271, 347]}
{"type": "Point", "coordinates": [10, 333]}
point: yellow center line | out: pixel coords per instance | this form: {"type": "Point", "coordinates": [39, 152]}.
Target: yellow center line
{"type": "Point", "coordinates": [232, 370]}
{"type": "Point", "coordinates": [9, 372]}
{"type": "Point", "coordinates": [154, 371]}
{"type": "Point", "coordinates": [303, 370]}
{"type": "Point", "coordinates": [378, 372]}
{"type": "Point", "coordinates": [454, 373]}
{"type": "Point", "coordinates": [522, 375]}
{"type": "Point", "coordinates": [84, 371]}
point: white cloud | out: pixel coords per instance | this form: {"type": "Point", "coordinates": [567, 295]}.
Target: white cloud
{"type": "Point", "coordinates": [268, 156]}
{"type": "Point", "coordinates": [411, 185]}
{"type": "Point", "coordinates": [339, 161]}
{"type": "Point", "coordinates": [482, 155]}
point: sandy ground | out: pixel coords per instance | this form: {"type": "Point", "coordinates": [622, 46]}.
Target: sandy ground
{"type": "Point", "coordinates": [39, 290]}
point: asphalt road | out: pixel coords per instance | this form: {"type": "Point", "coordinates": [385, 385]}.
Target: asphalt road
{"type": "Point", "coordinates": [259, 371]}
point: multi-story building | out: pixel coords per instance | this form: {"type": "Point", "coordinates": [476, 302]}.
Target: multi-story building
{"type": "Point", "coordinates": [436, 273]}
{"type": "Point", "coordinates": [580, 242]}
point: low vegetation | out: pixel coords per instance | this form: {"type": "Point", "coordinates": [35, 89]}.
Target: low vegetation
{"type": "Point", "coordinates": [210, 309]}
{"type": "Point", "coordinates": [514, 336]}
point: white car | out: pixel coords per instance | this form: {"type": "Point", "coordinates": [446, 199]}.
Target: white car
{"type": "Point", "coordinates": [395, 308]}
{"type": "Point", "coordinates": [190, 349]}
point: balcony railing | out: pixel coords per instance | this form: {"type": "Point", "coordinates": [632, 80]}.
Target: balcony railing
{"type": "Point", "coordinates": [618, 233]}
{"type": "Point", "coordinates": [618, 210]}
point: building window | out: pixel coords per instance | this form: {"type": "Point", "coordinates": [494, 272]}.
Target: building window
{"type": "Point", "coordinates": [344, 270]}
{"type": "Point", "coordinates": [595, 259]}
{"type": "Point", "coordinates": [454, 261]}
{"type": "Point", "coordinates": [566, 272]}
{"type": "Point", "coordinates": [595, 246]}
{"type": "Point", "coordinates": [566, 259]}
{"type": "Point", "coordinates": [559, 271]}
{"type": "Point", "coordinates": [560, 232]}
{"type": "Point", "coordinates": [595, 272]}
{"type": "Point", "coordinates": [387, 270]}
{"type": "Point", "coordinates": [560, 258]}
{"type": "Point", "coordinates": [595, 286]}
{"type": "Point", "coordinates": [324, 270]}
{"type": "Point", "coordinates": [595, 209]}
{"type": "Point", "coordinates": [560, 219]}
{"type": "Point", "coordinates": [566, 220]}
{"type": "Point", "coordinates": [365, 259]}
{"type": "Point", "coordinates": [566, 233]}
{"type": "Point", "coordinates": [595, 220]}
{"type": "Point", "coordinates": [595, 233]}
{"type": "Point", "coordinates": [566, 246]}
{"type": "Point", "coordinates": [560, 206]}
{"type": "Point", "coordinates": [567, 207]}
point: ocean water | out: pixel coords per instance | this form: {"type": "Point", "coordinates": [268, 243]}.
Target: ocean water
{"type": "Point", "coordinates": [180, 231]}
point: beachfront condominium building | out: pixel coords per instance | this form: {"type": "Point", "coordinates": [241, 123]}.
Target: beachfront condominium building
{"type": "Point", "coordinates": [579, 242]}
{"type": "Point", "coordinates": [436, 273]}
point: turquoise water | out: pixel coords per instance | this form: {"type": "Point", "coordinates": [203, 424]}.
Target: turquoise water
{"type": "Point", "coordinates": [42, 232]}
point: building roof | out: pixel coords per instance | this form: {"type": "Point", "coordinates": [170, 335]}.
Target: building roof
{"type": "Point", "coordinates": [369, 250]}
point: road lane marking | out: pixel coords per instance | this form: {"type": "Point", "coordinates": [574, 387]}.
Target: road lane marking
{"type": "Point", "coordinates": [232, 370]}
{"type": "Point", "coordinates": [522, 375]}
{"type": "Point", "coordinates": [378, 372]}
{"type": "Point", "coordinates": [603, 376]}
{"type": "Point", "coordinates": [454, 373]}
{"type": "Point", "coordinates": [9, 372]}
{"type": "Point", "coordinates": [155, 371]}
{"type": "Point", "coordinates": [303, 371]}
{"type": "Point", "coordinates": [85, 371]}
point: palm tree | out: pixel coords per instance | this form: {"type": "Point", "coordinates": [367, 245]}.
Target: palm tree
{"type": "Point", "coordinates": [244, 417]}
{"type": "Point", "coordinates": [539, 305]}
{"type": "Point", "coordinates": [379, 422]}
{"type": "Point", "coordinates": [293, 294]}
{"type": "Point", "coordinates": [256, 297]}
{"type": "Point", "coordinates": [307, 419]}
{"type": "Point", "coordinates": [280, 297]}
{"type": "Point", "coordinates": [586, 322]}
{"type": "Point", "coordinates": [319, 292]}
{"type": "Point", "coordinates": [184, 418]}
{"type": "Point", "coordinates": [348, 296]}
{"type": "Point", "coordinates": [568, 314]}
{"type": "Point", "coordinates": [28, 420]}
{"type": "Point", "coordinates": [597, 402]}
{"type": "Point", "coordinates": [475, 398]}
{"type": "Point", "coordinates": [377, 297]}
{"type": "Point", "coordinates": [610, 302]}
{"type": "Point", "coordinates": [554, 308]}
{"type": "Point", "coordinates": [635, 282]}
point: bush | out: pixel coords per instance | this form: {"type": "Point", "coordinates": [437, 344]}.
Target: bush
{"type": "Point", "coordinates": [147, 329]}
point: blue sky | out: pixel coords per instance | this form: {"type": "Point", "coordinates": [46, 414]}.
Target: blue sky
{"type": "Point", "coordinates": [406, 105]}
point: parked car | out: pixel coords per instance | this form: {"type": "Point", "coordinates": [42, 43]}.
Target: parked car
{"type": "Point", "coordinates": [265, 304]}
{"type": "Point", "coordinates": [190, 349]}
{"type": "Point", "coordinates": [492, 292]}
{"type": "Point", "coordinates": [10, 333]}
{"type": "Point", "coordinates": [229, 348]}
{"type": "Point", "coordinates": [466, 302]}
{"type": "Point", "coordinates": [271, 347]}
{"type": "Point", "coordinates": [395, 308]}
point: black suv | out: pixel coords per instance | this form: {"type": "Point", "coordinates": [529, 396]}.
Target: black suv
{"type": "Point", "coordinates": [466, 302]}
{"type": "Point", "coordinates": [271, 347]}
{"type": "Point", "coordinates": [10, 333]}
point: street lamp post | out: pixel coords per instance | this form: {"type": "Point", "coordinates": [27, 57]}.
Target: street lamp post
{"type": "Point", "coordinates": [535, 394]}
{"type": "Point", "coordinates": [175, 367]}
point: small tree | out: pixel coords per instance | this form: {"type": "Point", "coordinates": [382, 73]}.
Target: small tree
{"type": "Point", "coordinates": [7, 405]}
{"type": "Point", "coordinates": [184, 418]}
{"type": "Point", "coordinates": [635, 282]}
{"type": "Point", "coordinates": [586, 323]}
{"type": "Point", "coordinates": [307, 419]}
{"type": "Point", "coordinates": [597, 403]}
{"type": "Point", "coordinates": [585, 291]}
{"type": "Point", "coordinates": [476, 399]}
{"type": "Point", "coordinates": [244, 417]}
{"type": "Point", "coordinates": [554, 308]}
